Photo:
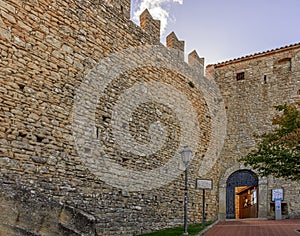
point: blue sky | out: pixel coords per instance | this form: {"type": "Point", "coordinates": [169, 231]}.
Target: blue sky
{"type": "Point", "coordinates": [225, 29]}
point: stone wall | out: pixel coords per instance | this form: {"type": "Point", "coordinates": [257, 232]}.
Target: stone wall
{"type": "Point", "coordinates": [269, 79]}
{"type": "Point", "coordinates": [72, 71]}
{"type": "Point", "coordinates": [48, 49]}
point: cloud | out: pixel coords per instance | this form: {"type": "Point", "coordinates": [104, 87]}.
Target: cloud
{"type": "Point", "coordinates": [159, 9]}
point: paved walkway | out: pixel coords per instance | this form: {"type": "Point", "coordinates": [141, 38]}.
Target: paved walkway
{"type": "Point", "coordinates": [288, 227]}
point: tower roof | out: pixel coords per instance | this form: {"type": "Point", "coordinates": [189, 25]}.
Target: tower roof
{"type": "Point", "coordinates": [256, 55]}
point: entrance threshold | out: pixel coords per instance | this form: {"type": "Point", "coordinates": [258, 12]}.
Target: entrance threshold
{"type": "Point", "coordinates": [246, 219]}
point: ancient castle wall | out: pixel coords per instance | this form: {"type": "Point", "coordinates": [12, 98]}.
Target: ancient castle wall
{"type": "Point", "coordinates": [53, 178]}
{"type": "Point", "coordinates": [251, 87]}
{"type": "Point", "coordinates": [47, 50]}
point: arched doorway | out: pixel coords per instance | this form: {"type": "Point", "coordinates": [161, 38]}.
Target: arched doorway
{"type": "Point", "coordinates": [241, 195]}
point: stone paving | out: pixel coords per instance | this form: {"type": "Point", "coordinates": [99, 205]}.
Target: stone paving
{"type": "Point", "coordinates": [289, 227]}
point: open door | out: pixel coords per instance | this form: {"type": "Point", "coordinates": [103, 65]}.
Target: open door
{"type": "Point", "coordinates": [241, 195]}
{"type": "Point", "coordinates": [245, 202]}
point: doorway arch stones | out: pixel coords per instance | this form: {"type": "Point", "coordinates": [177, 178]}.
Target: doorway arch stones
{"type": "Point", "coordinates": [262, 192]}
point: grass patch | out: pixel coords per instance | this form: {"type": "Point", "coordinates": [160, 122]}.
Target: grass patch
{"type": "Point", "coordinates": [192, 229]}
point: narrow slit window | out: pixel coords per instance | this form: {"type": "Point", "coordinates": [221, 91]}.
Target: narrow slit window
{"type": "Point", "coordinates": [97, 132]}
{"type": "Point", "coordinates": [265, 79]}
{"type": "Point", "coordinates": [240, 76]}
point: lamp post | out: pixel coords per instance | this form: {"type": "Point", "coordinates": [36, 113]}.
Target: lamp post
{"type": "Point", "coordinates": [186, 154]}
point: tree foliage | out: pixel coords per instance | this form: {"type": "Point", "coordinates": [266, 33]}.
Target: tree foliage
{"type": "Point", "coordinates": [278, 152]}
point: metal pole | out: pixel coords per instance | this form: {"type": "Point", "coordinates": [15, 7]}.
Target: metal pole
{"type": "Point", "coordinates": [203, 206]}
{"type": "Point", "coordinates": [278, 214]}
{"type": "Point", "coordinates": [186, 202]}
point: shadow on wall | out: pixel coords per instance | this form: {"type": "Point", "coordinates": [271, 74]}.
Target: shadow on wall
{"type": "Point", "coordinates": [24, 213]}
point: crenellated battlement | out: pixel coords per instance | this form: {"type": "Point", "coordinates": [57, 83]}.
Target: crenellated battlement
{"type": "Point", "coordinates": [173, 42]}
{"type": "Point", "coordinates": [195, 61]}
{"type": "Point", "coordinates": [150, 25]}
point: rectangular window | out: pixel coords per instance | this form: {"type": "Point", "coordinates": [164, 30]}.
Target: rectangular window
{"type": "Point", "coordinates": [240, 76]}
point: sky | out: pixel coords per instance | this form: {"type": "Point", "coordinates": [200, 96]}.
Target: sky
{"type": "Point", "coordinates": [220, 30]}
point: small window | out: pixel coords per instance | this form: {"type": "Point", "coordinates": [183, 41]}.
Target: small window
{"type": "Point", "coordinates": [240, 76]}
{"type": "Point", "coordinates": [265, 79]}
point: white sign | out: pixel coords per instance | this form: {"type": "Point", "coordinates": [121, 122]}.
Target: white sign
{"type": "Point", "coordinates": [204, 184]}
{"type": "Point", "coordinates": [277, 194]}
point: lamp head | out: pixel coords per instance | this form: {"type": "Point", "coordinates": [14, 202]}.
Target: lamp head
{"type": "Point", "coordinates": [186, 155]}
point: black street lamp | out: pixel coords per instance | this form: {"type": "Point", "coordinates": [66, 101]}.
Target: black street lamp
{"type": "Point", "coordinates": [186, 155]}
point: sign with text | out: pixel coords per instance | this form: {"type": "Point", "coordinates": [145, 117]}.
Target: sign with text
{"type": "Point", "coordinates": [277, 194]}
{"type": "Point", "coordinates": [204, 184]}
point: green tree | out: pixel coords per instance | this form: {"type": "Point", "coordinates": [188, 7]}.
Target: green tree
{"type": "Point", "coordinates": [278, 152]}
